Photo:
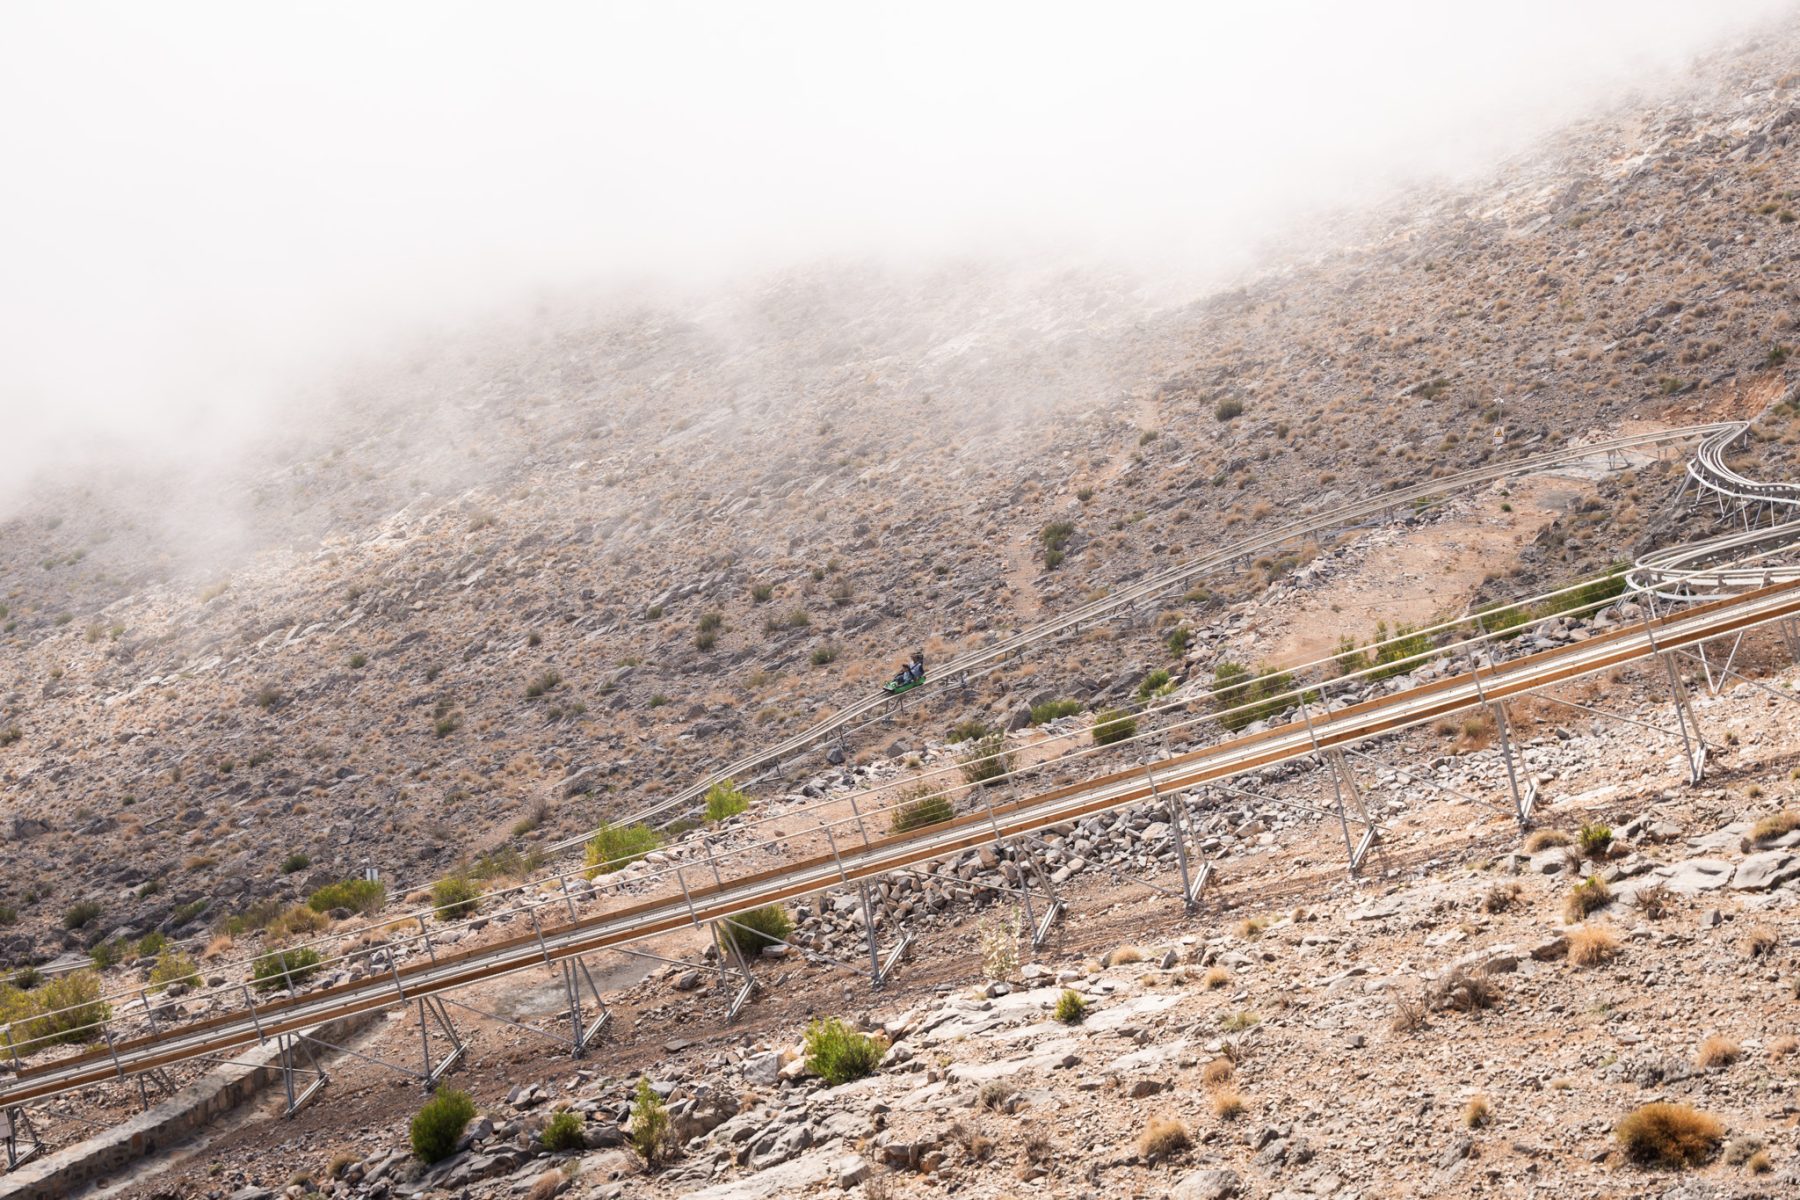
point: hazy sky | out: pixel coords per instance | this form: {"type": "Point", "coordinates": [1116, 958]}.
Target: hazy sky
{"type": "Point", "coordinates": [207, 204]}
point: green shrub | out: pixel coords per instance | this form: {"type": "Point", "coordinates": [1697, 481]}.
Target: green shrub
{"type": "Point", "coordinates": [1593, 594]}
{"type": "Point", "coordinates": [32, 1017]}
{"type": "Point", "coordinates": [81, 915]}
{"type": "Point", "coordinates": [723, 800]}
{"type": "Point", "coordinates": [761, 592]}
{"type": "Point", "coordinates": [358, 661]}
{"type": "Point", "coordinates": [1256, 697]}
{"type": "Point", "coordinates": [1595, 840]}
{"type": "Point", "coordinates": [109, 953]}
{"type": "Point", "coordinates": [1051, 710]}
{"type": "Point", "coordinates": [563, 1132]}
{"type": "Point", "coordinates": [1504, 620]}
{"type": "Point", "coordinates": [754, 931]}
{"type": "Point", "coordinates": [278, 969]}
{"type": "Point", "coordinates": [1113, 725]}
{"type": "Point", "coordinates": [986, 760]}
{"type": "Point", "coordinates": [1071, 1009]}
{"type": "Point", "coordinates": [172, 966]}
{"type": "Point", "coordinates": [454, 897]}
{"type": "Point", "coordinates": [919, 809]}
{"type": "Point", "coordinates": [824, 655]}
{"type": "Point", "coordinates": [837, 1053]}
{"type": "Point", "coordinates": [1156, 683]}
{"type": "Point", "coordinates": [1225, 410]}
{"type": "Point", "coordinates": [365, 896]}
{"type": "Point", "coordinates": [439, 1124]}
{"type": "Point", "coordinates": [968, 731]}
{"type": "Point", "coordinates": [649, 1123]}
{"type": "Point", "coordinates": [1405, 643]}
{"type": "Point", "coordinates": [1178, 640]}
{"type": "Point", "coordinates": [295, 862]}
{"type": "Point", "coordinates": [616, 846]}
{"type": "Point", "coordinates": [712, 622]}
{"type": "Point", "coordinates": [1586, 898]}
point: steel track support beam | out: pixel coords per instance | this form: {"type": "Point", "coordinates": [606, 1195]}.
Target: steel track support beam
{"type": "Point", "coordinates": [295, 1096]}
{"type": "Point", "coordinates": [19, 1137]}
{"type": "Point", "coordinates": [1354, 851]}
{"type": "Point", "coordinates": [580, 1034]}
{"type": "Point", "coordinates": [1693, 743]}
{"type": "Point", "coordinates": [435, 1007]}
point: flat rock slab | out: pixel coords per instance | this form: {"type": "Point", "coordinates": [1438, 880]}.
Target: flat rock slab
{"type": "Point", "coordinates": [1697, 875]}
{"type": "Point", "coordinates": [1126, 1011]}
{"type": "Point", "coordinates": [1770, 869]}
{"type": "Point", "coordinates": [785, 1179]}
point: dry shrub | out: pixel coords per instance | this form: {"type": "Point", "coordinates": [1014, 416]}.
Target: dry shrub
{"type": "Point", "coordinates": [1717, 1051]}
{"type": "Point", "coordinates": [1125, 954]}
{"type": "Point", "coordinates": [1502, 897]}
{"type": "Point", "coordinates": [1759, 940]}
{"type": "Point", "coordinates": [219, 945]}
{"type": "Point", "coordinates": [1591, 945]}
{"type": "Point", "coordinates": [1228, 1103]}
{"type": "Point", "coordinates": [1758, 1163]}
{"type": "Point", "coordinates": [1545, 839]}
{"type": "Point", "coordinates": [1409, 1012]}
{"type": "Point", "coordinates": [1585, 898]}
{"type": "Point", "coordinates": [546, 1186]}
{"type": "Point", "coordinates": [994, 1095]}
{"type": "Point", "coordinates": [1039, 1146]}
{"type": "Point", "coordinates": [1669, 1135]}
{"type": "Point", "coordinates": [976, 1144]}
{"type": "Point", "coordinates": [1215, 977]}
{"type": "Point", "coordinates": [1251, 928]}
{"type": "Point", "coordinates": [1655, 901]}
{"type": "Point", "coordinates": [1772, 827]}
{"type": "Point", "coordinates": [1162, 1138]}
{"type": "Point", "coordinates": [1467, 991]}
{"type": "Point", "coordinates": [1217, 1072]}
{"type": "Point", "coordinates": [1476, 1113]}
{"type": "Point", "coordinates": [1781, 1047]}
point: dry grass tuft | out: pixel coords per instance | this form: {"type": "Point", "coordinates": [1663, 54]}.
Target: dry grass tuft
{"type": "Point", "coordinates": [1758, 1163]}
{"type": "Point", "coordinates": [1669, 1135]}
{"type": "Point", "coordinates": [1228, 1103]}
{"type": "Point", "coordinates": [1476, 1113]}
{"type": "Point", "coordinates": [1466, 991]}
{"type": "Point", "coordinates": [1655, 901]}
{"type": "Point", "coordinates": [1251, 928]}
{"type": "Point", "coordinates": [1545, 839]}
{"type": "Point", "coordinates": [1502, 897]}
{"type": "Point", "coordinates": [1125, 954]}
{"type": "Point", "coordinates": [1163, 1137]}
{"type": "Point", "coordinates": [976, 1144]}
{"type": "Point", "coordinates": [1585, 898]}
{"type": "Point", "coordinates": [1759, 940]}
{"type": "Point", "coordinates": [1781, 1047]}
{"type": "Point", "coordinates": [1216, 1072]}
{"type": "Point", "coordinates": [1409, 1012]}
{"type": "Point", "coordinates": [1215, 977]}
{"type": "Point", "coordinates": [1591, 945]}
{"type": "Point", "coordinates": [1773, 826]}
{"type": "Point", "coordinates": [1717, 1051]}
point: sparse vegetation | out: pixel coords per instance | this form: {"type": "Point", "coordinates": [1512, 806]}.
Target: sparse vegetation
{"type": "Point", "coordinates": [1113, 725]}
{"type": "Point", "coordinates": [454, 897]}
{"type": "Point", "coordinates": [1669, 1135]}
{"type": "Point", "coordinates": [1242, 698]}
{"type": "Point", "coordinates": [173, 967]}
{"type": "Point", "coordinates": [986, 760]}
{"type": "Point", "coordinates": [753, 931]}
{"type": "Point", "coordinates": [1228, 409]}
{"type": "Point", "coordinates": [542, 684]}
{"type": "Point", "coordinates": [1546, 839]}
{"type": "Point", "coordinates": [1775, 825]}
{"type": "Point", "coordinates": [1476, 1113]}
{"type": "Point", "coordinates": [439, 1124]}
{"type": "Point", "coordinates": [37, 1013]}
{"type": "Point", "coordinates": [284, 968]}
{"type": "Point", "coordinates": [1654, 901]}
{"type": "Point", "coordinates": [918, 809]}
{"type": "Point", "coordinates": [1502, 897]}
{"type": "Point", "coordinates": [1586, 898]}
{"type": "Point", "coordinates": [1164, 1137]}
{"type": "Point", "coordinates": [615, 846]}
{"type": "Point", "coordinates": [1595, 840]}
{"type": "Point", "coordinates": [1760, 941]}
{"type": "Point", "coordinates": [649, 1124]}
{"type": "Point", "coordinates": [1216, 977]}
{"type": "Point", "coordinates": [998, 937]}
{"type": "Point", "coordinates": [1051, 710]}
{"type": "Point", "coordinates": [1717, 1051]}
{"type": "Point", "coordinates": [724, 800]}
{"type": "Point", "coordinates": [837, 1053]}
{"type": "Point", "coordinates": [1592, 945]}
{"type": "Point", "coordinates": [365, 896]}
{"type": "Point", "coordinates": [1071, 1009]}
{"type": "Point", "coordinates": [562, 1132]}
{"type": "Point", "coordinates": [81, 915]}
{"type": "Point", "coordinates": [1228, 1103]}
{"type": "Point", "coordinates": [295, 862]}
{"type": "Point", "coordinates": [824, 655]}
{"type": "Point", "coordinates": [1154, 685]}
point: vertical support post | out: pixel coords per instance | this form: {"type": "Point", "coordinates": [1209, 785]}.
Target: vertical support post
{"type": "Point", "coordinates": [1696, 755]}
{"type": "Point", "coordinates": [1336, 787]}
{"type": "Point", "coordinates": [1178, 826]}
{"type": "Point", "coordinates": [868, 906]}
{"type": "Point", "coordinates": [1521, 808]}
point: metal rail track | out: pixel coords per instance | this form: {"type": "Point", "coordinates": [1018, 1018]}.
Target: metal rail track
{"type": "Point", "coordinates": [948, 674]}
{"type": "Point", "coordinates": [701, 903]}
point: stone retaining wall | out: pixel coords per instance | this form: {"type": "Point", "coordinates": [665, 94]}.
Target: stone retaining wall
{"type": "Point", "coordinates": [195, 1107]}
